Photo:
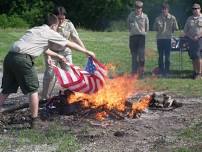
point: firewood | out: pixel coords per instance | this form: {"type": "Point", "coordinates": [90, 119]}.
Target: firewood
{"type": "Point", "coordinates": [115, 114]}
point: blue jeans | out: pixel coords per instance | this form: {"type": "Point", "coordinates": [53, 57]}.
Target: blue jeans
{"type": "Point", "coordinates": [164, 48]}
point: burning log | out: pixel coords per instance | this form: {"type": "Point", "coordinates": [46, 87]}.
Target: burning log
{"type": "Point", "coordinates": [163, 102]}
{"type": "Point", "coordinates": [140, 106]}
{"type": "Point", "coordinates": [115, 114]}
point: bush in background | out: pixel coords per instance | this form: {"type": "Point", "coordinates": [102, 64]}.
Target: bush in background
{"type": "Point", "coordinates": [12, 21]}
{"type": "Point", "coordinates": [92, 14]}
{"type": "Point", "coordinates": [119, 25]}
{"type": "Point", "coordinates": [3, 21]}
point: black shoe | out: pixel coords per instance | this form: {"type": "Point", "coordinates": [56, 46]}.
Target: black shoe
{"type": "Point", "coordinates": [194, 75]}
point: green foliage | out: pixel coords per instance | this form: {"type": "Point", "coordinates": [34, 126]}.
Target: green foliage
{"type": "Point", "coordinates": [17, 22]}
{"type": "Point", "coordinates": [31, 11]}
{"type": "Point", "coordinates": [93, 14]}
{"type": "Point", "coordinates": [3, 21]}
{"type": "Point", "coordinates": [119, 25]}
{"type": "Point", "coordinates": [37, 12]}
{"type": "Point", "coordinates": [12, 21]}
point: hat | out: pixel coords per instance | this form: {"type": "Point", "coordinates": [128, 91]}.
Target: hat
{"type": "Point", "coordinates": [195, 5]}
{"type": "Point", "coordinates": [138, 4]}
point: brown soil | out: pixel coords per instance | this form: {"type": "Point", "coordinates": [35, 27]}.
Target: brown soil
{"type": "Point", "coordinates": [154, 130]}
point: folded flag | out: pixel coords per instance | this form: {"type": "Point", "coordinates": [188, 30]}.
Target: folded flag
{"type": "Point", "coordinates": [89, 80]}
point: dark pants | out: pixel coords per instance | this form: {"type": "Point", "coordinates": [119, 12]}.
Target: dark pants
{"type": "Point", "coordinates": [164, 48]}
{"type": "Point", "coordinates": [137, 49]}
{"type": "Point", "coordinates": [19, 70]}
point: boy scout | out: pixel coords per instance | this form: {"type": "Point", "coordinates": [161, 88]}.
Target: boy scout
{"type": "Point", "coordinates": [138, 24]}
{"type": "Point", "coordinates": [193, 30]}
{"type": "Point", "coordinates": [68, 31]}
{"type": "Point", "coordinates": [18, 67]}
{"type": "Point", "coordinates": [165, 25]}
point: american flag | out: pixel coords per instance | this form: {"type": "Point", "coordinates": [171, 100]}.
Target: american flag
{"type": "Point", "coordinates": [89, 80]}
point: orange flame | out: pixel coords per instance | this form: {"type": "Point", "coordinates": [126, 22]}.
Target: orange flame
{"type": "Point", "coordinates": [101, 115]}
{"type": "Point", "coordinates": [112, 96]}
{"type": "Point", "coordinates": [141, 105]}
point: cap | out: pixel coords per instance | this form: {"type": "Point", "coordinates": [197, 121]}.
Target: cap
{"type": "Point", "coordinates": [138, 4]}
{"type": "Point", "coordinates": [195, 5]}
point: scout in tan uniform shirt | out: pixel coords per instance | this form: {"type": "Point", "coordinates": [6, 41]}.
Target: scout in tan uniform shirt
{"type": "Point", "coordinates": [18, 66]}
{"type": "Point", "coordinates": [68, 31]}
{"type": "Point", "coordinates": [138, 25]}
{"type": "Point", "coordinates": [193, 30]}
{"type": "Point", "coordinates": [165, 25]}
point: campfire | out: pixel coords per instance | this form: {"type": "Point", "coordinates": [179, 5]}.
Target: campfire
{"type": "Point", "coordinates": [112, 101]}
{"type": "Point", "coordinates": [116, 100]}
{"type": "Point", "coordinates": [119, 99]}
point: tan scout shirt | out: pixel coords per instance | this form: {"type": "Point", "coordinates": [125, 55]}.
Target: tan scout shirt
{"type": "Point", "coordinates": [165, 26]}
{"type": "Point", "coordinates": [193, 26]}
{"type": "Point", "coordinates": [36, 40]}
{"type": "Point", "coordinates": [68, 31]}
{"type": "Point", "coordinates": [138, 25]}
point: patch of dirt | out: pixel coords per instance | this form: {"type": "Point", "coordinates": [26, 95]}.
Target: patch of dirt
{"type": "Point", "coordinates": [154, 130]}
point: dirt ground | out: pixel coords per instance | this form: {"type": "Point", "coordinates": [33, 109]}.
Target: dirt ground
{"type": "Point", "coordinates": [154, 130]}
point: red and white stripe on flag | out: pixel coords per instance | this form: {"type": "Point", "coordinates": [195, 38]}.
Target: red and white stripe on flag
{"type": "Point", "coordinates": [79, 80]}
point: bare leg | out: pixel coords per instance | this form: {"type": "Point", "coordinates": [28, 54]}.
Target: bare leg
{"type": "Point", "coordinates": [34, 105]}
{"type": "Point", "coordinates": [197, 65]}
{"type": "Point", "coordinates": [200, 66]}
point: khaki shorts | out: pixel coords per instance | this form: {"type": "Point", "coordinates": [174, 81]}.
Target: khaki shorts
{"type": "Point", "coordinates": [195, 49]}
{"type": "Point", "coordinates": [19, 71]}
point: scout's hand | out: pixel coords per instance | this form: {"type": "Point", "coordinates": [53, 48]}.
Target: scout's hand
{"type": "Point", "coordinates": [89, 53]}
{"type": "Point", "coordinates": [61, 57]}
{"type": "Point", "coordinates": [49, 60]}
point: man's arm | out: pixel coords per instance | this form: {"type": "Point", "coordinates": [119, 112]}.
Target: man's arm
{"type": "Point", "coordinates": [78, 41]}
{"type": "Point", "coordinates": [79, 48]}
{"type": "Point", "coordinates": [147, 24]}
{"type": "Point", "coordinates": [54, 54]}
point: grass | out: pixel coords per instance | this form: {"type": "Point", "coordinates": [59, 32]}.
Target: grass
{"type": "Point", "coordinates": [192, 135]}
{"type": "Point", "coordinates": [55, 136]}
{"type": "Point", "coordinates": [112, 47]}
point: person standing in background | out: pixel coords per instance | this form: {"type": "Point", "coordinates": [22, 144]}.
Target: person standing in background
{"type": "Point", "coordinates": [165, 25]}
{"type": "Point", "coordinates": [193, 31]}
{"type": "Point", "coordinates": [138, 25]}
{"type": "Point", "coordinates": [68, 31]}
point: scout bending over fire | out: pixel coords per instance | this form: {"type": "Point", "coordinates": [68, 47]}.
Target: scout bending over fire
{"type": "Point", "coordinates": [18, 66]}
